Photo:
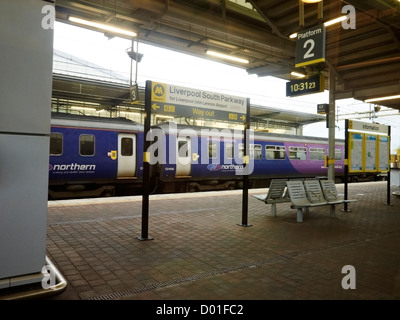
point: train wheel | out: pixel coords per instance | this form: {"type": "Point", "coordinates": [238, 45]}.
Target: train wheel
{"type": "Point", "coordinates": [109, 192]}
{"type": "Point", "coordinates": [193, 187]}
{"type": "Point", "coordinates": [230, 185]}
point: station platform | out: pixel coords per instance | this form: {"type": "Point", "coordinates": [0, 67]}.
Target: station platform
{"type": "Point", "coordinates": [201, 251]}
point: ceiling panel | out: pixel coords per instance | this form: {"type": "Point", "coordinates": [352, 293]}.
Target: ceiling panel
{"type": "Point", "coordinates": [365, 60]}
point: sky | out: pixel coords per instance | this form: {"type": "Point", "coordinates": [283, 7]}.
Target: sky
{"type": "Point", "coordinates": [171, 67]}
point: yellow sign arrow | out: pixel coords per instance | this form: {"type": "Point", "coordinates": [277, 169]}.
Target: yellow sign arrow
{"type": "Point", "coordinates": [243, 117]}
{"type": "Point", "coordinates": [155, 106]}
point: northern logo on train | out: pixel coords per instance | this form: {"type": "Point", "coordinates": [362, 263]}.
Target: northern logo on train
{"type": "Point", "coordinates": [214, 167]}
{"type": "Point", "coordinates": [72, 167]}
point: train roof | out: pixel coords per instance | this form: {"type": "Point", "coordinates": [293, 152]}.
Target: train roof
{"type": "Point", "coordinates": [75, 120]}
{"type": "Point", "coordinates": [172, 127]}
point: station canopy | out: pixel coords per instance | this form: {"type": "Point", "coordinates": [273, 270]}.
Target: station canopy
{"type": "Point", "coordinates": [78, 82]}
{"type": "Point", "coordinates": [365, 59]}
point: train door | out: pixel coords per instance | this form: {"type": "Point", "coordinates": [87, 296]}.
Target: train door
{"type": "Point", "coordinates": [126, 155]}
{"type": "Point", "coordinates": [183, 159]}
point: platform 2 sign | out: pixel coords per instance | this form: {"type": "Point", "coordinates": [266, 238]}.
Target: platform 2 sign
{"type": "Point", "coordinates": [310, 46]}
{"type": "Point", "coordinates": [188, 102]}
{"type": "Point", "coordinates": [299, 87]}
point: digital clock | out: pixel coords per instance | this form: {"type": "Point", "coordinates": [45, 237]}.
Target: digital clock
{"type": "Point", "coordinates": [312, 84]}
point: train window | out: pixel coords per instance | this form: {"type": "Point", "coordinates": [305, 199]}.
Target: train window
{"type": "Point", "coordinates": [212, 150]}
{"type": "Point", "coordinates": [338, 154]}
{"type": "Point", "coordinates": [255, 151]}
{"type": "Point", "coordinates": [229, 151]}
{"type": "Point", "coordinates": [127, 147]}
{"type": "Point", "coordinates": [183, 149]}
{"type": "Point", "coordinates": [241, 151]}
{"type": "Point", "coordinates": [275, 152]}
{"type": "Point", "coordinates": [297, 153]}
{"type": "Point", "coordinates": [86, 145]}
{"type": "Point", "coordinates": [317, 153]}
{"type": "Point", "coordinates": [56, 144]}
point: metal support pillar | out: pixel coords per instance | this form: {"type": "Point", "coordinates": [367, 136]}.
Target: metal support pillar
{"type": "Point", "coordinates": [331, 123]}
{"type": "Point", "coordinates": [246, 173]}
{"type": "Point", "coordinates": [301, 13]}
{"type": "Point", "coordinates": [146, 165]}
{"type": "Point", "coordinates": [320, 10]}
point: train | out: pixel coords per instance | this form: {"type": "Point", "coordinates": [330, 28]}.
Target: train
{"type": "Point", "coordinates": [97, 157]}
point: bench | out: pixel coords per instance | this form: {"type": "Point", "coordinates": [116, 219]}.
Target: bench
{"type": "Point", "coordinates": [330, 191]}
{"type": "Point", "coordinates": [299, 199]}
{"type": "Point", "coordinates": [313, 193]}
{"type": "Point", "coordinates": [277, 193]}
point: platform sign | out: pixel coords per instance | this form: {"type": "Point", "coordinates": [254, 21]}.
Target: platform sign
{"type": "Point", "coordinates": [134, 93]}
{"type": "Point", "coordinates": [369, 127]}
{"type": "Point", "coordinates": [323, 108]}
{"type": "Point", "coordinates": [188, 102]}
{"type": "Point", "coordinates": [174, 100]}
{"type": "Point", "coordinates": [310, 46]}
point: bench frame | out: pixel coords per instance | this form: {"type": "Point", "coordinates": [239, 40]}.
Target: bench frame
{"type": "Point", "coordinates": [298, 197]}
{"type": "Point", "coordinates": [330, 192]}
{"type": "Point", "coordinates": [277, 193]}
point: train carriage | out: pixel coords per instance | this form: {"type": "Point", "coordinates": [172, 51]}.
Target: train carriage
{"type": "Point", "coordinates": [91, 156]}
{"type": "Point", "coordinates": [199, 158]}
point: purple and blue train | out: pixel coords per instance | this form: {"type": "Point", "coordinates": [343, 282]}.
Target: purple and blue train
{"type": "Point", "coordinates": [93, 156]}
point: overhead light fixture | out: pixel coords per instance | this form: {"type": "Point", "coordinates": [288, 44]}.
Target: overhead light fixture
{"type": "Point", "coordinates": [225, 56]}
{"type": "Point", "coordinates": [222, 44]}
{"type": "Point", "coordinates": [382, 98]}
{"type": "Point", "coordinates": [326, 24]}
{"type": "Point", "coordinates": [103, 26]}
{"type": "Point", "coordinates": [83, 108]}
{"type": "Point", "coordinates": [132, 113]}
{"type": "Point", "coordinates": [164, 117]}
{"type": "Point", "coordinates": [311, 1]}
{"type": "Point", "coordinates": [336, 20]}
{"type": "Point", "coordinates": [297, 74]}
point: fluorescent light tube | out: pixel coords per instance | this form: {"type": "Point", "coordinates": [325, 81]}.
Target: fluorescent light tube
{"type": "Point", "coordinates": [225, 56]}
{"type": "Point", "coordinates": [382, 98]}
{"type": "Point", "coordinates": [102, 26]}
{"type": "Point", "coordinates": [297, 74]}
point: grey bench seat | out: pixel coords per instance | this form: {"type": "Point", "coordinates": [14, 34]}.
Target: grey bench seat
{"type": "Point", "coordinates": [299, 199]}
{"type": "Point", "coordinates": [330, 192]}
{"type": "Point", "coordinates": [277, 193]}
